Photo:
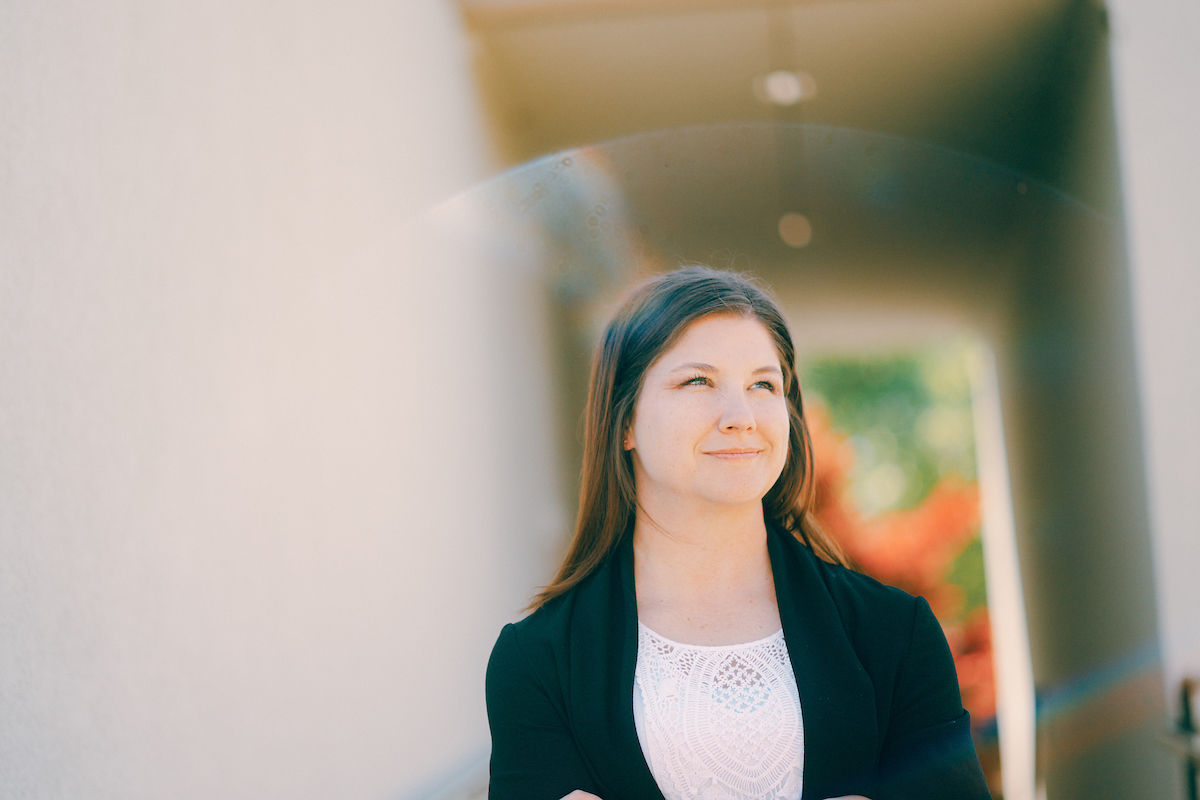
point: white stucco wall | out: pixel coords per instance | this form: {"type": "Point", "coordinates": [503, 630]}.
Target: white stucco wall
{"type": "Point", "coordinates": [1156, 62]}
{"type": "Point", "coordinates": [253, 541]}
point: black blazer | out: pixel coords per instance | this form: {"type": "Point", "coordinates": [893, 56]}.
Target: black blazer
{"type": "Point", "coordinates": [879, 695]}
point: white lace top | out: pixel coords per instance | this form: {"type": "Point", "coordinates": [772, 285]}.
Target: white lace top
{"type": "Point", "coordinates": [719, 723]}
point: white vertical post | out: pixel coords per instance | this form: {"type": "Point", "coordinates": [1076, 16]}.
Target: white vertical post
{"type": "Point", "coordinates": [1015, 712]}
{"type": "Point", "coordinates": [1156, 66]}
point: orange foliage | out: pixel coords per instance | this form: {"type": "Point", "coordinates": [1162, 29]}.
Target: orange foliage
{"type": "Point", "coordinates": [913, 550]}
{"type": "Point", "coordinates": [971, 644]}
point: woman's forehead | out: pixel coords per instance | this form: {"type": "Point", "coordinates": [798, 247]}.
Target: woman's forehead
{"type": "Point", "coordinates": [722, 337]}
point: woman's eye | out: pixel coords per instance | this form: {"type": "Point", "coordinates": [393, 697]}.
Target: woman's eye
{"type": "Point", "coordinates": [768, 385]}
{"type": "Point", "coordinates": [699, 380]}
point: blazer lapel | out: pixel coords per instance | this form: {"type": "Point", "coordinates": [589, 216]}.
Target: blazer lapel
{"type": "Point", "coordinates": [603, 659]}
{"type": "Point", "coordinates": [841, 736]}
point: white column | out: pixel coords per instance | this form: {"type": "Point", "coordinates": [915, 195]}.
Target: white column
{"type": "Point", "coordinates": [1015, 699]}
{"type": "Point", "coordinates": [1156, 73]}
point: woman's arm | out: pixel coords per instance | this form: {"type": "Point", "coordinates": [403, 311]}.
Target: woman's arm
{"type": "Point", "coordinates": [927, 752]}
{"type": "Point", "coordinates": [534, 755]}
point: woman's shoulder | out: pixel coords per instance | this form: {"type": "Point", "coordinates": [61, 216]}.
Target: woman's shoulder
{"type": "Point", "coordinates": [526, 653]}
{"type": "Point", "coordinates": [542, 637]}
{"type": "Point", "coordinates": [547, 624]}
{"type": "Point", "coordinates": [856, 593]}
{"type": "Point", "coordinates": [538, 633]}
{"type": "Point", "coordinates": [877, 618]}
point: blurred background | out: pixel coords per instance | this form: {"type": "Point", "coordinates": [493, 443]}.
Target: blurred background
{"type": "Point", "coordinates": [296, 302]}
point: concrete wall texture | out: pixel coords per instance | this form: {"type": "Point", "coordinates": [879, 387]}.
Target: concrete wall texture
{"type": "Point", "coordinates": [233, 561]}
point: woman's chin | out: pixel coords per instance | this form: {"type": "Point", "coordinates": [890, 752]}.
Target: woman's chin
{"type": "Point", "coordinates": [731, 498]}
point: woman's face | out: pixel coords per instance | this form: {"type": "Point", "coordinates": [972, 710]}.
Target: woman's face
{"type": "Point", "coordinates": [711, 422]}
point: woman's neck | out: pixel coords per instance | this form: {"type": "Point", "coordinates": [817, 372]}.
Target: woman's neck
{"type": "Point", "coordinates": [705, 578]}
{"type": "Point", "coordinates": [703, 545]}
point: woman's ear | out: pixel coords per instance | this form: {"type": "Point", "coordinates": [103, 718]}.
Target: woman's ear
{"type": "Point", "coordinates": [628, 442]}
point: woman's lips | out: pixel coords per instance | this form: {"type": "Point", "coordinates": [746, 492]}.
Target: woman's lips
{"type": "Point", "coordinates": [734, 454]}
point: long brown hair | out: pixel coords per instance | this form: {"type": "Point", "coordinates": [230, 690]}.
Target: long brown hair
{"type": "Point", "coordinates": [647, 325]}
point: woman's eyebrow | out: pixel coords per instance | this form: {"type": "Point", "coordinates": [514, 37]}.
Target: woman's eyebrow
{"type": "Point", "coordinates": [698, 365]}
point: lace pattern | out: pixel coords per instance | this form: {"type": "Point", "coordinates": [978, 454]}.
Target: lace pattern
{"type": "Point", "coordinates": [719, 723]}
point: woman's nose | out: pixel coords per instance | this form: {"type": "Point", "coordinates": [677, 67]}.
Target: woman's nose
{"type": "Point", "coordinates": [736, 414]}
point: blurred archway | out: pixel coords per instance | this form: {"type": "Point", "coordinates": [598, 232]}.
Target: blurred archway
{"type": "Point", "coordinates": [872, 242]}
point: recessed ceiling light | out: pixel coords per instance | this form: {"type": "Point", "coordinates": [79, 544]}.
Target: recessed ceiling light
{"type": "Point", "coordinates": [784, 87]}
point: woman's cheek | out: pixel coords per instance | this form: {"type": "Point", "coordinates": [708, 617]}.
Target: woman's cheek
{"type": "Point", "coordinates": [780, 425]}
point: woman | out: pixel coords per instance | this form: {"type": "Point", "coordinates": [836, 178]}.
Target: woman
{"type": "Point", "coordinates": [703, 638]}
